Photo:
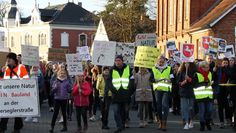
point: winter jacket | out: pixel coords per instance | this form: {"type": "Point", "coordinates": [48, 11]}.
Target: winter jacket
{"type": "Point", "coordinates": [121, 95]}
{"type": "Point", "coordinates": [186, 91]}
{"type": "Point", "coordinates": [100, 86]}
{"type": "Point", "coordinates": [81, 99]}
{"type": "Point", "coordinates": [61, 89]}
{"type": "Point", "coordinates": [143, 87]}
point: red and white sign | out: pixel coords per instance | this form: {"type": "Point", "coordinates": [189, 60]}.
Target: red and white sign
{"type": "Point", "coordinates": [206, 40]}
{"type": "Point", "coordinates": [187, 52]}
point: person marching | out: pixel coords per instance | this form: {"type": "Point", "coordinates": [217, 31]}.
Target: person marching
{"type": "Point", "coordinates": [81, 91]}
{"type": "Point", "coordinates": [105, 96]}
{"type": "Point", "coordinates": [14, 70]}
{"type": "Point", "coordinates": [204, 94]}
{"type": "Point", "coordinates": [121, 84]}
{"type": "Point", "coordinates": [161, 78]}
{"type": "Point", "coordinates": [143, 94]}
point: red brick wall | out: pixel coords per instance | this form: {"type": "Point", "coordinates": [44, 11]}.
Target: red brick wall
{"type": "Point", "coordinates": [198, 8]}
{"type": "Point", "coordinates": [225, 28]}
{"type": "Point", "coordinates": [73, 38]}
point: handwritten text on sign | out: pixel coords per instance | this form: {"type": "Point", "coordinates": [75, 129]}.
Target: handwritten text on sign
{"type": "Point", "coordinates": [19, 98]}
{"type": "Point", "coordinates": [30, 55]}
{"type": "Point", "coordinates": [146, 56]}
{"type": "Point", "coordinates": [75, 66]}
{"type": "Point", "coordinates": [145, 40]}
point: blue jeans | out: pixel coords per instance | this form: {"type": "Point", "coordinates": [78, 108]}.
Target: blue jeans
{"type": "Point", "coordinates": [162, 98]}
{"type": "Point", "coordinates": [205, 110]}
{"type": "Point", "coordinates": [187, 108]}
{"type": "Point", "coordinates": [120, 112]}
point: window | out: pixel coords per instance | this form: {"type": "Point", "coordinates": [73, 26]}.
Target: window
{"type": "Point", "coordinates": [42, 39]}
{"type": "Point", "coordinates": [28, 39]}
{"type": "Point", "coordinates": [171, 6]}
{"type": "Point", "coordinates": [82, 40]}
{"type": "Point", "coordinates": [12, 42]}
{"type": "Point", "coordinates": [186, 9]}
{"type": "Point", "coordinates": [180, 10]}
{"type": "Point", "coordinates": [64, 39]}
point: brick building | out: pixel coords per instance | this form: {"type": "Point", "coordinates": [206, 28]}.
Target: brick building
{"type": "Point", "coordinates": [66, 25]}
{"type": "Point", "coordinates": [186, 21]}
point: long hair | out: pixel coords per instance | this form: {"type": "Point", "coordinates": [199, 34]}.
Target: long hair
{"type": "Point", "coordinates": [191, 68]}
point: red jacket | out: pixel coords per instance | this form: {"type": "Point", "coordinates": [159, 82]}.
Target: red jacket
{"type": "Point", "coordinates": [82, 99]}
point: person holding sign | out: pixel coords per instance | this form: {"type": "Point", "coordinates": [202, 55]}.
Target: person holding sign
{"type": "Point", "coordinates": [14, 70]}
{"type": "Point", "coordinates": [60, 89]}
{"type": "Point", "coordinates": [81, 91]}
{"type": "Point", "coordinates": [204, 94]}
{"type": "Point", "coordinates": [161, 79]}
{"type": "Point", "coordinates": [185, 79]}
{"type": "Point", "coordinates": [121, 84]}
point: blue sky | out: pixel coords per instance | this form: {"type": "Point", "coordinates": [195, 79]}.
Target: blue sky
{"type": "Point", "coordinates": [91, 5]}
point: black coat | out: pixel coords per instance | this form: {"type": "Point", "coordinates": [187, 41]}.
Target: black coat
{"type": "Point", "coordinates": [186, 91]}
{"type": "Point", "coordinates": [121, 95]}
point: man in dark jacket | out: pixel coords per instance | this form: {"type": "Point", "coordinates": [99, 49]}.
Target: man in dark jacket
{"type": "Point", "coordinates": [121, 84]}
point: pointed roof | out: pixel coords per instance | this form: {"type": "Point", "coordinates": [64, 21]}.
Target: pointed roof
{"type": "Point", "coordinates": [101, 34]}
{"type": "Point", "coordinates": [216, 13]}
{"type": "Point", "coordinates": [13, 2]}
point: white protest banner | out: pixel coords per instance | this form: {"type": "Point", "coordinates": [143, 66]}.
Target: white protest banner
{"type": "Point", "coordinates": [148, 39]}
{"type": "Point", "coordinates": [74, 64]}
{"type": "Point", "coordinates": [83, 53]}
{"type": "Point", "coordinates": [30, 55]}
{"type": "Point", "coordinates": [221, 43]}
{"type": "Point", "coordinates": [127, 51]}
{"type": "Point", "coordinates": [187, 52]}
{"type": "Point", "coordinates": [104, 53]}
{"type": "Point", "coordinates": [206, 41]}
{"type": "Point", "coordinates": [170, 45]}
{"type": "Point", "coordinates": [19, 98]}
{"type": "Point", "coordinates": [230, 52]}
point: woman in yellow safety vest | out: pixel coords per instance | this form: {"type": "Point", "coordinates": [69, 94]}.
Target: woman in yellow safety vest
{"type": "Point", "coordinates": [204, 94]}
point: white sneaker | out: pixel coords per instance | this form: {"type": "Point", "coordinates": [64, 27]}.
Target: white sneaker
{"type": "Point", "coordinates": [51, 109]}
{"type": "Point", "coordinates": [61, 120]}
{"type": "Point", "coordinates": [186, 127]}
{"type": "Point", "coordinates": [28, 119]}
{"type": "Point", "coordinates": [190, 125]}
{"type": "Point", "coordinates": [35, 120]}
{"type": "Point", "coordinates": [171, 110]}
{"type": "Point", "coordinates": [92, 118]}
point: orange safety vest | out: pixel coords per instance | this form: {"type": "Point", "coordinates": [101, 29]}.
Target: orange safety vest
{"type": "Point", "coordinates": [20, 70]}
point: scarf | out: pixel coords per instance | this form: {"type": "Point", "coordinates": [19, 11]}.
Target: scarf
{"type": "Point", "coordinates": [204, 73]}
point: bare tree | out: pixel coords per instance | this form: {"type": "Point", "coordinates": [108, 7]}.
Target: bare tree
{"type": "Point", "coordinates": [152, 7]}
{"type": "Point", "coordinates": [4, 5]}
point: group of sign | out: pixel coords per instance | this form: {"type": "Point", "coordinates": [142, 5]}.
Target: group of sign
{"type": "Point", "coordinates": [216, 47]}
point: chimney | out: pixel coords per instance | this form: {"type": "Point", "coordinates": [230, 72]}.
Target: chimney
{"type": "Point", "coordinates": [80, 4]}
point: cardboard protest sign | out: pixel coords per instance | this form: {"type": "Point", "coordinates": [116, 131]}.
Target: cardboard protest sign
{"type": "Point", "coordinates": [57, 54]}
{"type": "Point", "coordinates": [19, 98]}
{"type": "Point", "coordinates": [213, 47]}
{"type": "Point", "coordinates": [230, 51]}
{"type": "Point", "coordinates": [187, 52]}
{"type": "Point", "coordinates": [30, 55]}
{"type": "Point", "coordinates": [170, 45]}
{"type": "Point", "coordinates": [127, 51]}
{"type": "Point", "coordinates": [221, 43]}
{"type": "Point", "coordinates": [148, 39]}
{"type": "Point", "coordinates": [104, 53]}
{"type": "Point", "coordinates": [3, 57]}
{"type": "Point", "coordinates": [146, 56]}
{"type": "Point", "coordinates": [206, 41]}
{"type": "Point", "coordinates": [74, 65]}
{"type": "Point", "coordinates": [83, 53]}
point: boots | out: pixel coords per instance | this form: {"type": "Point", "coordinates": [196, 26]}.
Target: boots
{"type": "Point", "coordinates": [163, 125]}
{"type": "Point", "coordinates": [51, 130]}
{"type": "Point", "coordinates": [202, 126]}
{"type": "Point", "coordinates": [64, 129]}
{"type": "Point", "coordinates": [208, 125]}
{"type": "Point", "coordinates": [159, 124]}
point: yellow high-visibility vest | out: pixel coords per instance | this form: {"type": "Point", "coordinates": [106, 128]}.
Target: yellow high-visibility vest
{"type": "Point", "coordinates": [203, 91]}
{"type": "Point", "coordinates": [162, 86]}
{"type": "Point", "coordinates": [123, 81]}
